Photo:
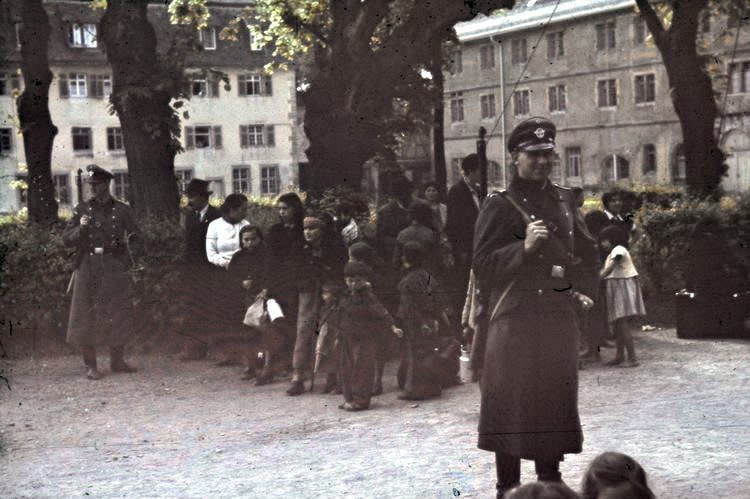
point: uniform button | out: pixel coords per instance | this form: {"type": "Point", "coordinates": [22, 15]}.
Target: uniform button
{"type": "Point", "coordinates": [539, 291]}
{"type": "Point", "coordinates": [570, 232]}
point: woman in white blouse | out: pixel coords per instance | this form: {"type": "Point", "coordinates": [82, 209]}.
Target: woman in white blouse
{"type": "Point", "coordinates": [222, 242]}
{"type": "Point", "coordinates": [223, 236]}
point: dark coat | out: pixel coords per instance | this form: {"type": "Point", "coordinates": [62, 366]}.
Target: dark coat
{"type": "Point", "coordinates": [101, 308]}
{"type": "Point", "coordinates": [462, 215]}
{"type": "Point", "coordinates": [392, 219]}
{"type": "Point", "coordinates": [195, 236]}
{"type": "Point", "coordinates": [529, 404]}
{"type": "Point", "coordinates": [285, 252]}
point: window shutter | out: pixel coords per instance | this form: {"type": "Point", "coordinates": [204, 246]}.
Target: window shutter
{"type": "Point", "coordinates": [240, 85]}
{"type": "Point", "coordinates": [62, 83]}
{"type": "Point", "coordinates": [94, 86]}
{"type": "Point", "coordinates": [217, 137]}
{"type": "Point", "coordinates": [270, 135]}
{"type": "Point", "coordinates": [243, 136]}
{"type": "Point", "coordinates": [214, 87]}
{"type": "Point", "coordinates": [189, 142]}
{"type": "Point", "coordinates": [268, 85]}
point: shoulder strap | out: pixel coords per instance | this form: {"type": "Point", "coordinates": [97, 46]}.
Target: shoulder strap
{"type": "Point", "coordinates": [524, 214]}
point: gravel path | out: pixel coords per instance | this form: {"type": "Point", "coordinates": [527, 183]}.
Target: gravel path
{"type": "Point", "coordinates": [196, 430]}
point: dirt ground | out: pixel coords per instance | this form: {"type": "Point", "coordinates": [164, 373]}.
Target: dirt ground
{"type": "Point", "coordinates": [196, 430]}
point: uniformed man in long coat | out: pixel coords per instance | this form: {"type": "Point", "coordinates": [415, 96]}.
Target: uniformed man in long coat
{"type": "Point", "coordinates": [536, 261]}
{"type": "Point", "coordinates": [198, 272]}
{"type": "Point", "coordinates": [107, 241]}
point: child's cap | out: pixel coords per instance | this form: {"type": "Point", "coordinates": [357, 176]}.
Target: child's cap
{"type": "Point", "coordinates": [357, 269]}
{"type": "Point", "coordinates": [615, 235]}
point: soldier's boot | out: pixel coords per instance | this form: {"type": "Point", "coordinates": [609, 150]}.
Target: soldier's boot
{"type": "Point", "coordinates": [89, 358]}
{"type": "Point", "coordinates": [117, 361]}
{"type": "Point", "coordinates": [548, 470]}
{"type": "Point", "coordinates": [377, 387]}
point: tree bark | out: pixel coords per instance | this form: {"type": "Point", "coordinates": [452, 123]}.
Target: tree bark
{"type": "Point", "coordinates": [691, 92]}
{"type": "Point", "coordinates": [33, 112]}
{"type": "Point", "coordinates": [141, 99]}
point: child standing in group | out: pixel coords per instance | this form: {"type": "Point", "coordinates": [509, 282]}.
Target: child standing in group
{"type": "Point", "coordinates": [327, 345]}
{"type": "Point", "coordinates": [358, 319]}
{"type": "Point", "coordinates": [623, 293]}
{"type": "Point", "coordinates": [248, 269]}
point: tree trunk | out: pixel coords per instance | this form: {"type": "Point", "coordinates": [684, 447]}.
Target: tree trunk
{"type": "Point", "coordinates": [33, 112]}
{"type": "Point", "coordinates": [142, 102]}
{"type": "Point", "coordinates": [691, 92]}
{"type": "Point", "coordinates": [438, 133]}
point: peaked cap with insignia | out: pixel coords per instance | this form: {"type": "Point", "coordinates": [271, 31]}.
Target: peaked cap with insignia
{"type": "Point", "coordinates": [95, 174]}
{"type": "Point", "coordinates": [533, 134]}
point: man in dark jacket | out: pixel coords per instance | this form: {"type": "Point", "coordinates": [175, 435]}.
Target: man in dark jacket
{"type": "Point", "coordinates": [198, 271]}
{"type": "Point", "coordinates": [536, 261]}
{"type": "Point", "coordinates": [107, 241]}
{"type": "Point", "coordinates": [463, 208]}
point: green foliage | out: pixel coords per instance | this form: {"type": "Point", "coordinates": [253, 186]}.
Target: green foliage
{"type": "Point", "coordinates": [663, 242]}
{"type": "Point", "coordinates": [35, 270]}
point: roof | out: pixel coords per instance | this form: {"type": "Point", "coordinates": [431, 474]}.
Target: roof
{"type": "Point", "coordinates": [530, 14]}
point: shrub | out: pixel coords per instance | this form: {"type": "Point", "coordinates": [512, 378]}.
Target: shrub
{"type": "Point", "coordinates": [663, 241]}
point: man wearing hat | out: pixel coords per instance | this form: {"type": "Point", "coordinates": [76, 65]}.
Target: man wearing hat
{"type": "Point", "coordinates": [535, 259]}
{"type": "Point", "coordinates": [463, 207]}
{"type": "Point", "coordinates": [107, 241]}
{"type": "Point", "coordinates": [197, 270]}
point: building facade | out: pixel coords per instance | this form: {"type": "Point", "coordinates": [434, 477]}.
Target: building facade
{"type": "Point", "coordinates": [238, 130]}
{"type": "Point", "coordinates": [590, 67]}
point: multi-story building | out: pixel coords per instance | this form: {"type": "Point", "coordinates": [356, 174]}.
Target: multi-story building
{"type": "Point", "coordinates": [239, 135]}
{"type": "Point", "coordinates": [588, 65]}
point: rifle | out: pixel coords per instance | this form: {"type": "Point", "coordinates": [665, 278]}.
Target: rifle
{"type": "Point", "coordinates": [79, 187]}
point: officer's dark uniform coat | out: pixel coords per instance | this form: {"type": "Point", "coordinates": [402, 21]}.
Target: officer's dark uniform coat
{"type": "Point", "coordinates": [529, 381]}
{"type": "Point", "coordinates": [101, 309]}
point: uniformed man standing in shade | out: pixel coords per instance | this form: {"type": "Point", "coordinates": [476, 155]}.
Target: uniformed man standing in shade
{"type": "Point", "coordinates": [107, 242]}
{"type": "Point", "coordinates": [536, 261]}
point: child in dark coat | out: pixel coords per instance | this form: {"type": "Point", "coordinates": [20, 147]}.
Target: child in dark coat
{"type": "Point", "coordinates": [248, 271]}
{"type": "Point", "coordinates": [358, 320]}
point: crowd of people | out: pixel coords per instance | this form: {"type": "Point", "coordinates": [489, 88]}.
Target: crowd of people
{"type": "Point", "coordinates": [517, 275]}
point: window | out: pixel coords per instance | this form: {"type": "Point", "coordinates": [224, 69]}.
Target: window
{"type": "Point", "coordinates": [207, 37]}
{"type": "Point", "coordinates": [456, 169]}
{"type": "Point", "coordinates": [487, 57]}
{"type": "Point", "coordinates": [100, 86]}
{"type": "Point", "coordinates": [199, 87]}
{"type": "Point", "coordinates": [521, 102]}
{"type": "Point", "coordinates": [257, 135]}
{"type": "Point", "coordinates": [649, 159]}
{"type": "Point", "coordinates": [739, 77]}
{"type": "Point", "coordinates": [640, 31]}
{"type": "Point", "coordinates": [679, 165]}
{"type": "Point", "coordinates": [572, 161]}
{"type": "Point", "coordinates": [82, 139]}
{"type": "Point", "coordinates": [457, 107]}
{"type": "Point", "coordinates": [201, 137]}
{"type": "Point", "coordinates": [605, 35]}
{"type": "Point", "coordinates": [457, 62]}
{"type": "Point", "coordinates": [494, 172]}
{"type": "Point", "coordinates": [183, 177]}
{"type": "Point", "coordinates": [82, 36]}
{"type": "Point", "coordinates": [6, 141]}
{"type": "Point", "coordinates": [518, 51]}
{"type": "Point", "coordinates": [269, 180]}
{"type": "Point", "coordinates": [241, 179]}
{"type": "Point", "coordinates": [645, 89]}
{"type": "Point", "coordinates": [77, 85]}
{"type": "Point", "coordinates": [114, 139]}
{"type": "Point", "coordinates": [615, 168]}
{"type": "Point", "coordinates": [555, 45]}
{"type": "Point", "coordinates": [62, 191]}
{"type": "Point", "coordinates": [488, 106]}
{"type": "Point", "coordinates": [556, 97]}
{"type": "Point", "coordinates": [9, 82]}
{"type": "Point", "coordinates": [607, 93]}
{"type": "Point", "coordinates": [121, 185]}
{"type": "Point", "coordinates": [254, 84]}
{"type": "Point", "coordinates": [216, 186]}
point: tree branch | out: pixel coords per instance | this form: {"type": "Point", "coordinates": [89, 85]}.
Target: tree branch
{"type": "Point", "coordinates": [652, 21]}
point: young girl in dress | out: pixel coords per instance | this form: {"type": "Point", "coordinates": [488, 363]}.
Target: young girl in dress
{"type": "Point", "coordinates": [623, 293]}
